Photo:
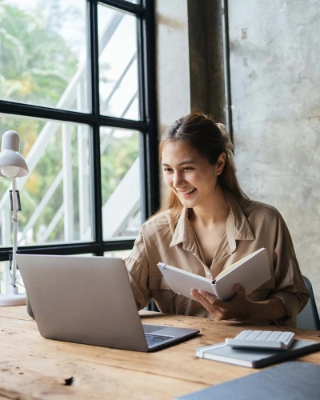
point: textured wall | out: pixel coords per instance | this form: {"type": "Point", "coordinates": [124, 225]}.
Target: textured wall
{"type": "Point", "coordinates": [173, 78]}
{"type": "Point", "coordinates": [275, 77]}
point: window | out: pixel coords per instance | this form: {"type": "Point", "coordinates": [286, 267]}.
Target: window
{"type": "Point", "coordinates": [77, 84]}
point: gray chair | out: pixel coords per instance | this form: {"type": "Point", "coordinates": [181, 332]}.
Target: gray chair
{"type": "Point", "coordinates": [308, 318]}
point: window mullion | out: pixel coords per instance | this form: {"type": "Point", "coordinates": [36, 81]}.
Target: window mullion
{"type": "Point", "coordinates": [95, 132]}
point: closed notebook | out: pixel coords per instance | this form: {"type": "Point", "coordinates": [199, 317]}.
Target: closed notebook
{"type": "Point", "coordinates": [256, 358]}
{"type": "Point", "coordinates": [251, 272]}
{"type": "Point", "coordinates": [293, 380]}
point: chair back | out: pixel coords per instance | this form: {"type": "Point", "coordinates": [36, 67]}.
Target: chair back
{"type": "Point", "coordinates": [308, 318]}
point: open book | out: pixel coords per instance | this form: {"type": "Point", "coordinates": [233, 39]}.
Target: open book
{"type": "Point", "coordinates": [250, 272]}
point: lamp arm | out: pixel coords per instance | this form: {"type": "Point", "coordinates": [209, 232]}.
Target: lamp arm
{"type": "Point", "coordinates": [15, 216]}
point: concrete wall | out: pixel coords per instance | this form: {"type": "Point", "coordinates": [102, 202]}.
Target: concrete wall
{"type": "Point", "coordinates": [275, 76]}
{"type": "Point", "coordinates": [173, 78]}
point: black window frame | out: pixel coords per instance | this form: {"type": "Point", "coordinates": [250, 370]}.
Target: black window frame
{"type": "Point", "coordinates": [147, 125]}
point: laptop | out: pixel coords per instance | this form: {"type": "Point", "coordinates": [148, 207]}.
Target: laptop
{"type": "Point", "coordinates": [89, 300]}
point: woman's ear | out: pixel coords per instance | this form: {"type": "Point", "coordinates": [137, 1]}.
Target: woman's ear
{"type": "Point", "coordinates": [221, 162]}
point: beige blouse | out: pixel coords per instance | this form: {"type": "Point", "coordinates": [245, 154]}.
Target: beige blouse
{"type": "Point", "coordinates": [250, 226]}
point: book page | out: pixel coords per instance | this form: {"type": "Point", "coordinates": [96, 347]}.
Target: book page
{"type": "Point", "coordinates": [250, 272]}
{"type": "Point", "coordinates": [234, 265]}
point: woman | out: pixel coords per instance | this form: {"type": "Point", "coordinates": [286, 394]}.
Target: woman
{"type": "Point", "coordinates": [207, 225]}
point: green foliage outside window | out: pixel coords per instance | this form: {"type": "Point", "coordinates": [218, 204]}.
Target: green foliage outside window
{"type": "Point", "coordinates": [36, 66]}
{"type": "Point", "coordinates": [36, 61]}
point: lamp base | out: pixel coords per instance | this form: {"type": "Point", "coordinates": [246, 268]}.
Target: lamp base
{"type": "Point", "coordinates": [11, 299]}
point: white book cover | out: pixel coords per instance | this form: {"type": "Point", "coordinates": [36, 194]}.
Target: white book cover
{"type": "Point", "coordinates": [250, 272]}
{"type": "Point", "coordinates": [256, 358]}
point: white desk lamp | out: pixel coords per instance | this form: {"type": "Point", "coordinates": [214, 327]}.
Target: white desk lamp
{"type": "Point", "coordinates": [12, 165]}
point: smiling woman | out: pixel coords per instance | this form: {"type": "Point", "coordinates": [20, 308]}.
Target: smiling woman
{"type": "Point", "coordinates": [208, 224]}
{"type": "Point", "coordinates": [210, 143]}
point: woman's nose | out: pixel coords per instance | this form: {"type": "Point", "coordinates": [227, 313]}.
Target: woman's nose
{"type": "Point", "coordinates": [177, 179]}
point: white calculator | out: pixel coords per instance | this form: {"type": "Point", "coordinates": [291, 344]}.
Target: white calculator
{"type": "Point", "coordinates": [277, 340]}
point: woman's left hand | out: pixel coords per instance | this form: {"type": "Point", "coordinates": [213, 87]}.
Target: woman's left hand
{"type": "Point", "coordinates": [237, 307]}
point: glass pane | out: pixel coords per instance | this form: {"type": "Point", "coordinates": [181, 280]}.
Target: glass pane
{"type": "Point", "coordinates": [118, 79]}
{"type": "Point", "coordinates": [43, 53]}
{"type": "Point", "coordinates": [120, 173]}
{"type": "Point", "coordinates": [55, 195]}
{"type": "Point", "coordinates": [117, 253]}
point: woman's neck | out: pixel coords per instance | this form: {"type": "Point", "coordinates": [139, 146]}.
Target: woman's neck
{"type": "Point", "coordinates": [215, 211]}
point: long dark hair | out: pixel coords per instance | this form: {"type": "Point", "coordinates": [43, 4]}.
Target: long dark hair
{"type": "Point", "coordinates": [202, 134]}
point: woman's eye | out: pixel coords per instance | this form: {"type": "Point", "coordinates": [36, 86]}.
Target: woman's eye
{"type": "Point", "coordinates": [187, 168]}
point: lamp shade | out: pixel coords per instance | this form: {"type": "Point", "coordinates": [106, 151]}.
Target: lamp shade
{"type": "Point", "coordinates": [12, 164]}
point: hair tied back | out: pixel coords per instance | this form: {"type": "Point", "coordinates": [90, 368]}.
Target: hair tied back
{"type": "Point", "coordinates": [228, 144]}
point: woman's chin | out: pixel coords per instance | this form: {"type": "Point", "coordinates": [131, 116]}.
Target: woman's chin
{"type": "Point", "coordinates": [188, 202]}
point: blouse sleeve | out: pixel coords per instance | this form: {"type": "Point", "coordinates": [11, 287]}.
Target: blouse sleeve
{"type": "Point", "coordinates": [137, 266]}
{"type": "Point", "coordinates": [290, 287]}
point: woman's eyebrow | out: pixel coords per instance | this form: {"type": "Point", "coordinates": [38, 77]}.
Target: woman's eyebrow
{"type": "Point", "coordinates": [181, 163]}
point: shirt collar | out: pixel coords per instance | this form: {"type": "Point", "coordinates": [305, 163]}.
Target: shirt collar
{"type": "Point", "coordinates": [238, 227]}
{"type": "Point", "coordinates": [182, 230]}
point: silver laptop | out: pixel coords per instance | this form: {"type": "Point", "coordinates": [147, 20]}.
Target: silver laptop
{"type": "Point", "coordinates": [89, 300]}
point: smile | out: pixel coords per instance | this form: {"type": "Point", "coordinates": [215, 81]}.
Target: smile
{"type": "Point", "coordinates": [188, 192]}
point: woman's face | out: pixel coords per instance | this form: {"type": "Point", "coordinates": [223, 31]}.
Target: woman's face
{"type": "Point", "coordinates": [192, 178]}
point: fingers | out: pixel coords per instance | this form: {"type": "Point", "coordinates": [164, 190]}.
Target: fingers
{"type": "Point", "coordinates": [240, 290]}
{"type": "Point", "coordinates": [204, 301]}
{"type": "Point", "coordinates": [200, 297]}
{"type": "Point", "coordinates": [221, 310]}
{"type": "Point", "coordinates": [208, 301]}
{"type": "Point", "coordinates": [197, 295]}
{"type": "Point", "coordinates": [200, 294]}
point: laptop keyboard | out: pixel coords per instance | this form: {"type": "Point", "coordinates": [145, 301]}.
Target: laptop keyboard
{"type": "Point", "coordinates": [155, 339]}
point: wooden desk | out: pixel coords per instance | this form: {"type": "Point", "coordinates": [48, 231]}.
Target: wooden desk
{"type": "Point", "coordinates": [32, 367]}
